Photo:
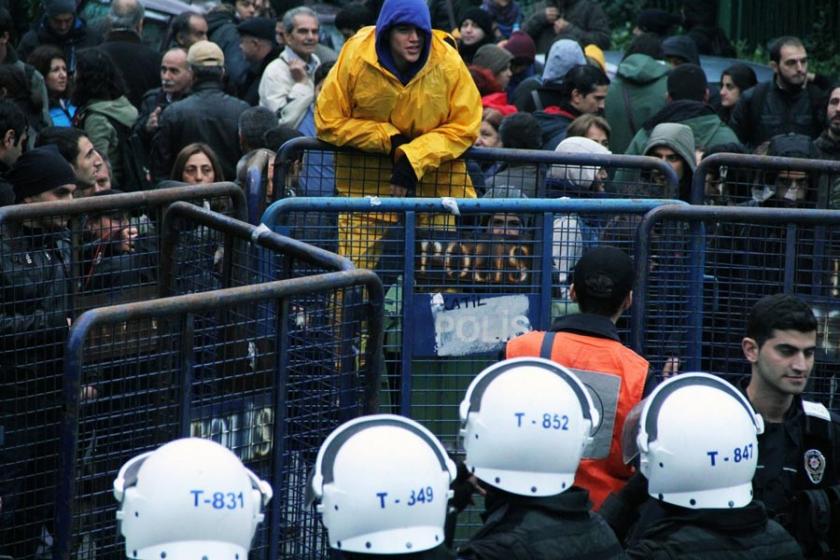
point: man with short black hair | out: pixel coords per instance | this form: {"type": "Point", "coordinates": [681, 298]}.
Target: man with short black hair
{"type": "Point", "coordinates": [138, 63]}
{"type": "Point", "coordinates": [797, 452]}
{"type": "Point", "coordinates": [77, 150]}
{"type": "Point", "coordinates": [828, 144]}
{"type": "Point", "coordinates": [790, 102]}
{"type": "Point", "coordinates": [208, 115]}
{"type": "Point", "coordinates": [258, 45]}
{"type": "Point", "coordinates": [688, 97]}
{"type": "Point", "coordinates": [12, 140]}
{"type": "Point", "coordinates": [602, 286]}
{"type": "Point", "coordinates": [287, 86]}
{"type": "Point", "coordinates": [186, 29]}
{"type": "Point", "coordinates": [584, 90]}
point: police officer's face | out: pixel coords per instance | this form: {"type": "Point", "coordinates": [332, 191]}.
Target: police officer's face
{"type": "Point", "coordinates": [784, 361]}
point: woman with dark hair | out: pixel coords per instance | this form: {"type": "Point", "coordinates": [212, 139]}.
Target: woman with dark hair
{"type": "Point", "coordinates": [104, 112]}
{"type": "Point", "coordinates": [49, 61]}
{"type": "Point", "coordinates": [197, 164]}
{"type": "Point", "coordinates": [734, 81]}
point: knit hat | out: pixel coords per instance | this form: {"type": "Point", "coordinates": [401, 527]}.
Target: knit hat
{"type": "Point", "coordinates": [55, 8]}
{"type": "Point", "coordinates": [564, 55]}
{"type": "Point", "coordinates": [687, 81]}
{"type": "Point", "coordinates": [656, 21]}
{"type": "Point", "coordinates": [480, 18]}
{"type": "Point", "coordinates": [604, 273]}
{"type": "Point", "coordinates": [205, 53]}
{"type": "Point", "coordinates": [594, 52]}
{"type": "Point", "coordinates": [678, 137]}
{"type": "Point", "coordinates": [492, 57]}
{"type": "Point", "coordinates": [38, 171]}
{"type": "Point", "coordinates": [581, 175]}
{"type": "Point", "coordinates": [259, 27]}
{"type": "Point", "coordinates": [681, 46]}
{"type": "Point", "coordinates": [522, 47]}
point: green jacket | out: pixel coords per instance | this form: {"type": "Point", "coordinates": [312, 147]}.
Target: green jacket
{"type": "Point", "coordinates": [96, 119]}
{"type": "Point", "coordinates": [644, 81]}
{"type": "Point", "coordinates": [708, 131]}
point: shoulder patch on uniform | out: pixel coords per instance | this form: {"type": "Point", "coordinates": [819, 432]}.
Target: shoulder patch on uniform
{"type": "Point", "coordinates": [817, 410]}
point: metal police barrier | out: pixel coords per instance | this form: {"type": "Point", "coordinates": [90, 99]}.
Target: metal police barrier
{"type": "Point", "coordinates": [735, 179]}
{"type": "Point", "coordinates": [309, 167]}
{"type": "Point", "coordinates": [701, 269]}
{"type": "Point", "coordinates": [57, 260]}
{"type": "Point", "coordinates": [267, 369]}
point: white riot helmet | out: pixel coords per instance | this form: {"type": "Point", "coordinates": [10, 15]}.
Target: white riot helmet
{"type": "Point", "coordinates": [382, 486]}
{"type": "Point", "coordinates": [695, 436]}
{"type": "Point", "coordinates": [525, 423]}
{"type": "Point", "coordinates": [189, 499]}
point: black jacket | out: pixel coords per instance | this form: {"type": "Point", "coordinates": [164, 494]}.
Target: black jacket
{"type": "Point", "coordinates": [827, 147]}
{"type": "Point", "coordinates": [249, 88]}
{"type": "Point", "coordinates": [7, 191]}
{"type": "Point", "coordinates": [80, 37]}
{"type": "Point", "coordinates": [767, 110]}
{"type": "Point", "coordinates": [139, 64]}
{"type": "Point", "coordinates": [550, 528]}
{"type": "Point", "coordinates": [221, 29]}
{"type": "Point", "coordinates": [208, 115]}
{"type": "Point", "coordinates": [714, 534]}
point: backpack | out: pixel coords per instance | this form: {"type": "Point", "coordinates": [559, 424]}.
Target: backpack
{"type": "Point", "coordinates": [136, 174]}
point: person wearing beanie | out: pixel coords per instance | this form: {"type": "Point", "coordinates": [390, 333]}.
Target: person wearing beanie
{"type": "Point", "coordinates": [658, 22]}
{"type": "Point", "coordinates": [59, 26]}
{"type": "Point", "coordinates": [680, 49]}
{"type": "Point", "coordinates": [400, 90]}
{"type": "Point", "coordinates": [522, 48]}
{"type": "Point", "coordinates": [506, 14]}
{"type": "Point", "coordinates": [674, 144]}
{"type": "Point", "coordinates": [258, 42]}
{"type": "Point", "coordinates": [476, 30]}
{"type": "Point", "coordinates": [583, 21]}
{"type": "Point", "coordinates": [595, 56]}
{"type": "Point", "coordinates": [688, 96]}
{"type": "Point", "coordinates": [35, 265]}
{"type": "Point", "coordinates": [602, 286]}
{"type": "Point", "coordinates": [491, 69]}
{"type": "Point", "coordinates": [538, 92]}
{"type": "Point", "coordinates": [519, 131]}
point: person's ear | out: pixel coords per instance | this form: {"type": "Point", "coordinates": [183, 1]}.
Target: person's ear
{"type": "Point", "coordinates": [750, 348]}
{"type": "Point", "coordinates": [706, 96]}
{"type": "Point", "coordinates": [572, 293]}
{"type": "Point", "coordinates": [775, 66]}
{"type": "Point", "coordinates": [9, 139]}
{"type": "Point", "coordinates": [628, 301]}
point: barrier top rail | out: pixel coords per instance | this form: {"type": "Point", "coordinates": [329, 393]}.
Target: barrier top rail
{"type": "Point", "coordinates": [459, 206]}
{"type": "Point", "coordinates": [758, 163]}
{"type": "Point", "coordinates": [708, 213]}
{"type": "Point", "coordinates": [508, 155]}
{"type": "Point", "coordinates": [127, 201]}
{"type": "Point", "coordinates": [258, 235]}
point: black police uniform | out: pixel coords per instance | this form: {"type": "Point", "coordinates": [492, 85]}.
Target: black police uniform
{"type": "Point", "coordinates": [549, 528]}
{"type": "Point", "coordinates": [714, 534]}
{"type": "Point", "coordinates": [797, 475]}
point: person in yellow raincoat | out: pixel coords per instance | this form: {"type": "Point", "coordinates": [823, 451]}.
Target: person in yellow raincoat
{"type": "Point", "coordinates": [400, 90]}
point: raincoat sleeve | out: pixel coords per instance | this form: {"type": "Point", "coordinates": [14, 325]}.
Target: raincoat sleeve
{"type": "Point", "coordinates": [334, 120]}
{"type": "Point", "coordinates": [460, 130]}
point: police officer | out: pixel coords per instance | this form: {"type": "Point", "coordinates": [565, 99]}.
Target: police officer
{"type": "Point", "coordinates": [525, 425]}
{"type": "Point", "coordinates": [797, 476]}
{"type": "Point", "coordinates": [588, 341]}
{"type": "Point", "coordinates": [696, 440]}
{"type": "Point", "coordinates": [381, 483]}
{"type": "Point", "coordinates": [190, 498]}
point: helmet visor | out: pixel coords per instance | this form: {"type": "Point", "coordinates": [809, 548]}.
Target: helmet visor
{"type": "Point", "coordinates": [630, 432]}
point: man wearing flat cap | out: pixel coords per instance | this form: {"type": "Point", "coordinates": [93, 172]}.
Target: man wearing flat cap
{"type": "Point", "coordinates": [208, 115]}
{"type": "Point", "coordinates": [34, 309]}
{"type": "Point", "coordinates": [258, 42]}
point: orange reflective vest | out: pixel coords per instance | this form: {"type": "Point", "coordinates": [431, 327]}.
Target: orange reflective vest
{"type": "Point", "coordinates": [596, 354]}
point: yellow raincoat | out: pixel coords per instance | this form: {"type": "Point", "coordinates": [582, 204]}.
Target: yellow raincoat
{"type": "Point", "coordinates": [362, 104]}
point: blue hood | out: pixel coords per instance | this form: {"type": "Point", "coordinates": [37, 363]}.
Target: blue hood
{"type": "Point", "coordinates": [405, 12]}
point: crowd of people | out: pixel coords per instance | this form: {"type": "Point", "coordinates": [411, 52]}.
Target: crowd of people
{"type": "Point", "coordinates": [88, 109]}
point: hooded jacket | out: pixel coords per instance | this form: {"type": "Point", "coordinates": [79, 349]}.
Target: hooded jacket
{"type": "Point", "coordinates": [563, 56]}
{"type": "Point", "coordinates": [95, 122]}
{"type": "Point", "coordinates": [79, 37]}
{"type": "Point", "coordinates": [706, 125]}
{"type": "Point", "coordinates": [678, 137]}
{"type": "Point", "coordinates": [554, 123]}
{"type": "Point", "coordinates": [221, 29]}
{"type": "Point", "coordinates": [635, 95]}
{"type": "Point", "coordinates": [366, 102]}
{"type": "Point", "coordinates": [588, 24]}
